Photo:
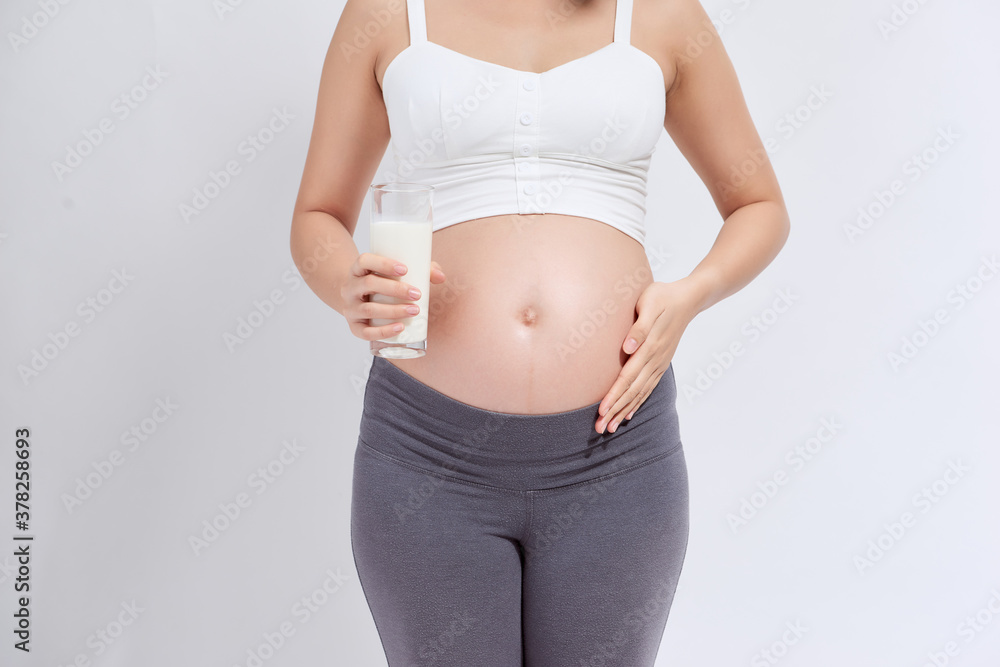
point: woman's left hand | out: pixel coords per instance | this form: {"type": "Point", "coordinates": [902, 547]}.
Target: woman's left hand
{"type": "Point", "coordinates": [664, 311]}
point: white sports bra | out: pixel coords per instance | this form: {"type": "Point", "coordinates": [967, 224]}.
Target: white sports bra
{"type": "Point", "coordinates": [575, 139]}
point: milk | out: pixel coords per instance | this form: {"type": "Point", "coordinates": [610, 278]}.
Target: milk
{"type": "Point", "coordinates": [409, 243]}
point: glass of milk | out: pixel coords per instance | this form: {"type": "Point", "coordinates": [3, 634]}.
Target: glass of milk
{"type": "Point", "coordinates": [401, 229]}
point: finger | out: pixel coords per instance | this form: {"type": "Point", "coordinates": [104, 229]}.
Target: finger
{"type": "Point", "coordinates": [368, 310]}
{"type": "Point", "coordinates": [370, 262]}
{"type": "Point", "coordinates": [369, 271]}
{"type": "Point", "coordinates": [437, 275]}
{"type": "Point", "coordinates": [618, 411]}
{"type": "Point", "coordinates": [361, 329]}
{"type": "Point", "coordinates": [636, 372]}
{"type": "Point", "coordinates": [630, 371]}
{"type": "Point", "coordinates": [624, 389]}
{"type": "Point", "coordinates": [376, 284]}
{"type": "Point", "coordinates": [378, 333]}
{"type": "Point", "coordinates": [635, 337]}
{"type": "Point", "coordinates": [360, 321]}
{"type": "Point", "coordinates": [639, 331]}
{"type": "Point", "coordinates": [361, 309]}
{"type": "Point", "coordinates": [629, 410]}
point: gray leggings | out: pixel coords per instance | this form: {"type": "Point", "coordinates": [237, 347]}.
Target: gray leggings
{"type": "Point", "coordinates": [490, 539]}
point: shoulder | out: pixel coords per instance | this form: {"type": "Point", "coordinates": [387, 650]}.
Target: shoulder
{"type": "Point", "coordinates": [667, 29]}
{"type": "Point", "coordinates": [366, 27]}
{"type": "Point", "coordinates": [672, 24]}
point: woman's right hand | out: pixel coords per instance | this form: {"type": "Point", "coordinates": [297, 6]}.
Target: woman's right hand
{"type": "Point", "coordinates": [368, 276]}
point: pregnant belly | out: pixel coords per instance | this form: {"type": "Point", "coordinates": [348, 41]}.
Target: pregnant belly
{"type": "Point", "coordinates": [533, 314]}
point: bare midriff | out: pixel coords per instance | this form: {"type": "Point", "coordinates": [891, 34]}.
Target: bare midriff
{"type": "Point", "coordinates": [533, 314]}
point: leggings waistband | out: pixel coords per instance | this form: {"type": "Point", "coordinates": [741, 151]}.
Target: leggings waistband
{"type": "Point", "coordinates": [407, 420]}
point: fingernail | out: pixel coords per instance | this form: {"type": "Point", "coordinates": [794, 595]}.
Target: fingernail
{"type": "Point", "coordinates": [414, 293]}
{"type": "Point", "coordinates": [413, 310]}
{"type": "Point", "coordinates": [630, 345]}
{"type": "Point", "coordinates": [400, 269]}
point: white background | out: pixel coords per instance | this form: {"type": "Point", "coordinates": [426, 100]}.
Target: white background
{"type": "Point", "coordinates": [298, 379]}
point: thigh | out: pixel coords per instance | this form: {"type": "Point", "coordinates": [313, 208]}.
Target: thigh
{"type": "Point", "coordinates": [437, 563]}
{"type": "Point", "coordinates": [602, 563]}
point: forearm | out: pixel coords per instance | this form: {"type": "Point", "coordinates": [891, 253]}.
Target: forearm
{"type": "Point", "coordinates": [323, 251]}
{"type": "Point", "coordinates": [749, 240]}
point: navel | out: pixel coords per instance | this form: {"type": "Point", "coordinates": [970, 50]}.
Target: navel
{"type": "Point", "coordinates": [528, 316]}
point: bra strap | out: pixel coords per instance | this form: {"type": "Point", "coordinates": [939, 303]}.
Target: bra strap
{"type": "Point", "coordinates": [623, 21]}
{"type": "Point", "coordinates": [417, 19]}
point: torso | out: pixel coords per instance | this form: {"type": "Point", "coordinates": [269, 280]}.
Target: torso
{"type": "Point", "coordinates": [535, 308]}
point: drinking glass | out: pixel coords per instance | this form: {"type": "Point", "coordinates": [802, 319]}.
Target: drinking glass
{"type": "Point", "coordinates": [401, 228]}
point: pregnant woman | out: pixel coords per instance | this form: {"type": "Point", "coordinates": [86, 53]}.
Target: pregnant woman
{"type": "Point", "coordinates": [520, 492]}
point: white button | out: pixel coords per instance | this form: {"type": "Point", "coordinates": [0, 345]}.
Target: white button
{"type": "Point", "coordinates": [526, 118]}
{"type": "Point", "coordinates": [529, 84]}
{"type": "Point", "coordinates": [521, 166]}
{"type": "Point", "coordinates": [529, 189]}
{"type": "Point", "coordinates": [525, 149]}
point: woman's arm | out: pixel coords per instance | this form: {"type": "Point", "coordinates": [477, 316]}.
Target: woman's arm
{"type": "Point", "coordinates": [349, 137]}
{"type": "Point", "coordinates": [708, 120]}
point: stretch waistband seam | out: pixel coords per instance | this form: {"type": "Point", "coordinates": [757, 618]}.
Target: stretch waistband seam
{"type": "Point", "coordinates": [521, 492]}
{"type": "Point", "coordinates": [600, 478]}
{"type": "Point", "coordinates": [434, 473]}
